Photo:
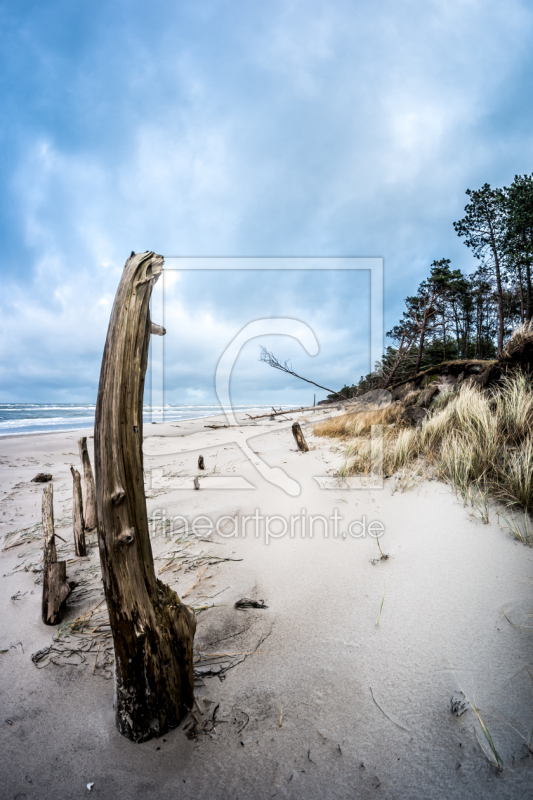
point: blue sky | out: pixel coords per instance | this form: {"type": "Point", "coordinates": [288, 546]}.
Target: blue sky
{"type": "Point", "coordinates": [238, 128]}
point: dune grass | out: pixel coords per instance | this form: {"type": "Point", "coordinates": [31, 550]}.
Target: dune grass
{"type": "Point", "coordinates": [478, 441]}
{"type": "Point", "coordinates": [349, 426]}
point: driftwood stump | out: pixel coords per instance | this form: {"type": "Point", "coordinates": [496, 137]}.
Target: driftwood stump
{"type": "Point", "coordinates": [299, 437]}
{"type": "Point", "coordinates": [201, 464]}
{"type": "Point", "coordinates": [77, 514]}
{"type": "Point", "coordinates": [56, 588]}
{"type": "Point", "coordinates": [89, 505]}
{"type": "Point", "coordinates": [152, 629]}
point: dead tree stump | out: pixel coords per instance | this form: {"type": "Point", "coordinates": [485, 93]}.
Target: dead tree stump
{"type": "Point", "coordinates": [299, 437]}
{"type": "Point", "coordinates": [56, 588]}
{"type": "Point", "coordinates": [152, 629]}
{"type": "Point", "coordinates": [77, 514]}
{"type": "Point", "coordinates": [89, 505]}
{"type": "Point", "coordinates": [201, 464]}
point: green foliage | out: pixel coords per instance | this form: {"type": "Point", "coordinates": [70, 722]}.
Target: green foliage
{"type": "Point", "coordinates": [453, 315]}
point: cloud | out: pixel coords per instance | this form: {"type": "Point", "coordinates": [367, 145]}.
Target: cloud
{"type": "Point", "coordinates": [289, 128]}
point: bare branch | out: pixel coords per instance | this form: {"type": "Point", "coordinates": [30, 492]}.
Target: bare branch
{"type": "Point", "coordinates": [272, 361]}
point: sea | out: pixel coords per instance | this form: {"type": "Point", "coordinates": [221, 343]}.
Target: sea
{"type": "Point", "coordinates": [17, 419]}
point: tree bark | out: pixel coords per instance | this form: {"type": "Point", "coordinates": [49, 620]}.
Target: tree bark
{"type": "Point", "coordinates": [299, 437]}
{"type": "Point", "coordinates": [499, 288]}
{"type": "Point", "coordinates": [152, 629]}
{"type": "Point", "coordinates": [56, 588]}
{"type": "Point", "coordinates": [89, 507]}
{"type": "Point", "coordinates": [77, 514]}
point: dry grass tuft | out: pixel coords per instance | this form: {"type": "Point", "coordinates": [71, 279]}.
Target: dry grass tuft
{"type": "Point", "coordinates": [521, 336]}
{"type": "Point", "coordinates": [481, 443]}
{"type": "Point", "coordinates": [359, 423]}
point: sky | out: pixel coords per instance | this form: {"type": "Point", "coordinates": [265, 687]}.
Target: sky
{"type": "Point", "coordinates": [286, 128]}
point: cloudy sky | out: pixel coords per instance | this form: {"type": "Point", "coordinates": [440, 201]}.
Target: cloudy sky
{"type": "Point", "coordinates": [241, 129]}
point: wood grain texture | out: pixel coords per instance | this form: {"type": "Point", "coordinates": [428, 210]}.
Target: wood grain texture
{"type": "Point", "coordinates": [152, 629]}
{"type": "Point", "coordinates": [89, 497]}
{"type": "Point", "coordinates": [56, 588]}
{"type": "Point", "coordinates": [299, 437]}
{"type": "Point", "coordinates": [77, 514]}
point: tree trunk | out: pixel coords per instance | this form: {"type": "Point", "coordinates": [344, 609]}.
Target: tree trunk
{"type": "Point", "coordinates": [401, 354]}
{"type": "Point", "coordinates": [499, 288]}
{"type": "Point", "coordinates": [420, 346]}
{"type": "Point", "coordinates": [77, 515]}
{"type": "Point", "coordinates": [299, 437]}
{"type": "Point", "coordinates": [500, 305]}
{"type": "Point", "coordinates": [152, 629]}
{"type": "Point", "coordinates": [89, 508]}
{"type": "Point", "coordinates": [529, 309]}
{"type": "Point", "coordinates": [56, 588]}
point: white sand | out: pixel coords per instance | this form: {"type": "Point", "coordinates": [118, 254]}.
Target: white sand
{"type": "Point", "coordinates": [453, 589]}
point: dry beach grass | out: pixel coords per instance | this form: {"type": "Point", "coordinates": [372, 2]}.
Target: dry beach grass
{"type": "Point", "coordinates": [479, 441]}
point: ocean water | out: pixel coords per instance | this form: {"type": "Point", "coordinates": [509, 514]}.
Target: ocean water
{"type": "Point", "coordinates": [23, 418]}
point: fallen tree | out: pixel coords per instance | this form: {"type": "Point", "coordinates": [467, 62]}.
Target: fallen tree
{"type": "Point", "coordinates": [152, 629]}
{"type": "Point", "coordinates": [269, 358]}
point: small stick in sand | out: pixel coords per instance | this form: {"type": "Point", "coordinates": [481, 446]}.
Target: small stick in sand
{"type": "Point", "coordinates": [201, 464]}
{"type": "Point", "coordinates": [196, 483]}
{"type": "Point", "coordinates": [381, 606]}
{"type": "Point", "coordinates": [280, 716]}
{"type": "Point", "coordinates": [299, 437]}
{"type": "Point", "coordinates": [77, 515]}
{"type": "Point", "coordinates": [96, 659]}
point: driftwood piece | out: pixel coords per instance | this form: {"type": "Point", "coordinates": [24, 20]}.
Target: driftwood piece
{"type": "Point", "coordinates": [245, 602]}
{"type": "Point", "coordinates": [299, 437]}
{"type": "Point", "coordinates": [152, 629]}
{"type": "Point", "coordinates": [201, 464]}
{"type": "Point", "coordinates": [274, 413]}
{"type": "Point", "coordinates": [196, 482]}
{"type": "Point", "coordinates": [42, 477]}
{"type": "Point", "coordinates": [89, 497]}
{"type": "Point", "coordinates": [77, 514]}
{"type": "Point", "coordinates": [56, 588]}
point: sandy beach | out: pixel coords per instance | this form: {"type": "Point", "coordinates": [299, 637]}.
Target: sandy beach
{"type": "Point", "coordinates": [340, 687]}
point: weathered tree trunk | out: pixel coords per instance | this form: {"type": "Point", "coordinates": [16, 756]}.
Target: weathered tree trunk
{"type": "Point", "coordinates": [56, 588]}
{"type": "Point", "coordinates": [152, 629]}
{"type": "Point", "coordinates": [77, 514]}
{"type": "Point", "coordinates": [201, 464]}
{"type": "Point", "coordinates": [89, 507]}
{"type": "Point", "coordinates": [299, 437]}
